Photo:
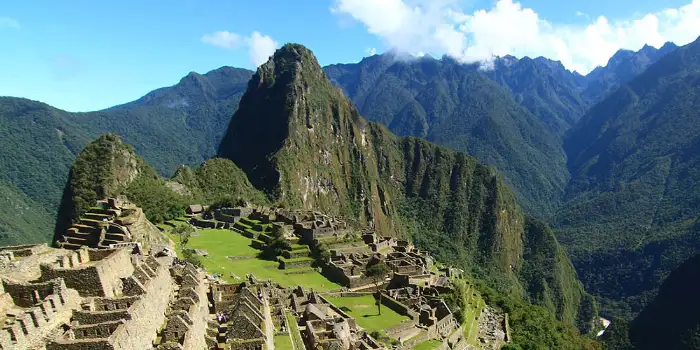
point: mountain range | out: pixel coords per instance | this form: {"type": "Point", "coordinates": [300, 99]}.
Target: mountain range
{"type": "Point", "coordinates": [563, 146]}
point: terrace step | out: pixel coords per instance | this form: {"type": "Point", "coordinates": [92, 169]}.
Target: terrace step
{"type": "Point", "coordinates": [97, 216]}
{"type": "Point", "coordinates": [90, 222]}
{"type": "Point", "coordinates": [68, 245]}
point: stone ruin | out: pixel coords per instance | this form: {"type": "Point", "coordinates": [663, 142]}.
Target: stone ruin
{"type": "Point", "coordinates": [99, 299]}
{"type": "Point", "coordinates": [111, 223]}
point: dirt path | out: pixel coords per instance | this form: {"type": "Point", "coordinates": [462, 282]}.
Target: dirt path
{"type": "Point", "coordinates": [269, 326]}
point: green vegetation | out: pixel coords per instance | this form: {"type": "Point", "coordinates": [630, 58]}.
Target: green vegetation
{"type": "Point", "coordinates": [427, 345]}
{"type": "Point", "coordinates": [363, 309]}
{"type": "Point", "coordinates": [108, 167]}
{"type": "Point", "coordinates": [283, 342]}
{"type": "Point", "coordinates": [223, 245]}
{"type": "Point", "coordinates": [534, 327]}
{"type": "Point", "coordinates": [454, 105]}
{"type": "Point", "coordinates": [631, 215]}
{"type": "Point", "coordinates": [182, 124]}
{"type": "Point", "coordinates": [377, 272]}
{"type": "Point", "coordinates": [672, 319]}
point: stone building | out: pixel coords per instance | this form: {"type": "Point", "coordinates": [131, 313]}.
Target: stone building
{"type": "Point", "coordinates": [125, 320]}
{"type": "Point", "coordinates": [187, 314]}
{"type": "Point", "coordinates": [60, 299]}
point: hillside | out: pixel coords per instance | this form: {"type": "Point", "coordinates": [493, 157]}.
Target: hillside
{"type": "Point", "coordinates": [680, 330]}
{"type": "Point", "coordinates": [318, 152]}
{"type": "Point", "coordinates": [182, 124]}
{"type": "Point", "coordinates": [107, 167]}
{"type": "Point", "coordinates": [543, 87]}
{"type": "Point", "coordinates": [632, 205]}
{"type": "Point", "coordinates": [458, 106]}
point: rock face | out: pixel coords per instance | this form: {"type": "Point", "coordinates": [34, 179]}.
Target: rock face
{"type": "Point", "coordinates": [305, 145]}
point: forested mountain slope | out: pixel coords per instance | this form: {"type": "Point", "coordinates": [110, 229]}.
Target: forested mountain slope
{"type": "Point", "coordinates": [458, 106]}
{"type": "Point", "coordinates": [622, 67]}
{"type": "Point", "coordinates": [632, 205]}
{"type": "Point", "coordinates": [177, 125]}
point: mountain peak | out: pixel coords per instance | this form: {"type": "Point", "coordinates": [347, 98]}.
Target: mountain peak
{"type": "Point", "coordinates": [290, 61]}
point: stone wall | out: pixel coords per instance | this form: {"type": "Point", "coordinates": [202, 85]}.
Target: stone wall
{"type": "Point", "coordinates": [28, 328]}
{"type": "Point", "coordinates": [137, 331]}
{"type": "Point", "coordinates": [101, 277]}
{"type": "Point", "coordinates": [398, 307]}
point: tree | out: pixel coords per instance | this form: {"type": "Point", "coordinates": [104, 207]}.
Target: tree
{"type": "Point", "coordinates": [377, 272]}
{"type": "Point", "coordinates": [183, 232]}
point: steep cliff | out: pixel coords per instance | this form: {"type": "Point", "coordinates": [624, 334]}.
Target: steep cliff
{"type": "Point", "coordinates": [305, 145]}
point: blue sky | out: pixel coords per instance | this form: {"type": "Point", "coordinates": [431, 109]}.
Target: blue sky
{"type": "Point", "coordinates": [81, 55]}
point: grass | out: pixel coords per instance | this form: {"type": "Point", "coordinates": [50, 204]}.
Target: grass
{"type": "Point", "coordinates": [428, 345]}
{"type": "Point", "coordinates": [294, 330]}
{"type": "Point", "coordinates": [221, 243]}
{"type": "Point", "coordinates": [364, 310]}
{"type": "Point", "coordinates": [283, 342]}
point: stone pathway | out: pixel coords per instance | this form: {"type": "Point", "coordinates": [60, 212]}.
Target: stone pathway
{"type": "Point", "coordinates": [269, 326]}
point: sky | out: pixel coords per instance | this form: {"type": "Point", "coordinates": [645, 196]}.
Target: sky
{"type": "Point", "coordinates": [85, 55]}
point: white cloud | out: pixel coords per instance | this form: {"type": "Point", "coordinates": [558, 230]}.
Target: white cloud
{"type": "Point", "coordinates": [223, 39]}
{"type": "Point", "coordinates": [7, 22]}
{"type": "Point", "coordinates": [370, 51]}
{"type": "Point", "coordinates": [260, 47]}
{"type": "Point", "coordinates": [441, 27]}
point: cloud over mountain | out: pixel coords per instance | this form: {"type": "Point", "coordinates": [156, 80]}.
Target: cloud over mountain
{"type": "Point", "coordinates": [441, 27]}
{"type": "Point", "coordinates": [260, 47]}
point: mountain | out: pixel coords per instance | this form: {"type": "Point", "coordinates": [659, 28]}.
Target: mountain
{"type": "Point", "coordinates": [543, 87]}
{"type": "Point", "coordinates": [108, 167]}
{"type": "Point", "coordinates": [38, 144]}
{"type": "Point", "coordinates": [622, 67]}
{"type": "Point", "coordinates": [182, 124]}
{"type": "Point", "coordinates": [304, 144]}
{"type": "Point", "coordinates": [631, 212]}
{"type": "Point", "coordinates": [458, 106]}
{"type": "Point", "coordinates": [672, 319]}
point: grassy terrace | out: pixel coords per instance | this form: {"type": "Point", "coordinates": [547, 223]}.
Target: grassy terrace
{"type": "Point", "coordinates": [221, 245]}
{"type": "Point", "coordinates": [283, 342]}
{"type": "Point", "coordinates": [294, 331]}
{"type": "Point", "coordinates": [364, 310]}
{"type": "Point", "coordinates": [428, 345]}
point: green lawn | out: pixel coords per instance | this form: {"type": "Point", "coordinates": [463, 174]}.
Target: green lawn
{"type": "Point", "coordinates": [364, 310]}
{"type": "Point", "coordinates": [294, 330]}
{"type": "Point", "coordinates": [428, 345]}
{"type": "Point", "coordinates": [283, 342]}
{"type": "Point", "coordinates": [221, 243]}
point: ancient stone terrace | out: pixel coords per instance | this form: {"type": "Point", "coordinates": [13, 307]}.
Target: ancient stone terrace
{"type": "Point", "coordinates": [111, 222]}
{"type": "Point", "coordinates": [32, 311]}
{"type": "Point", "coordinates": [188, 311]}
{"type": "Point", "coordinates": [121, 318]}
{"type": "Point", "coordinates": [93, 272]}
